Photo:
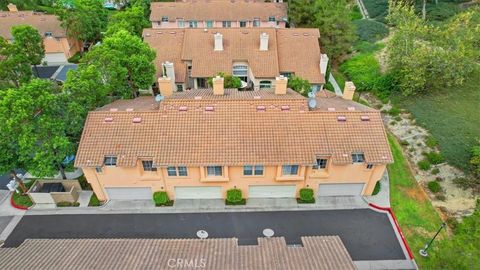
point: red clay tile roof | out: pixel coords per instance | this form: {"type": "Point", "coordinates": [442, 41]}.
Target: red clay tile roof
{"type": "Point", "coordinates": [293, 50]}
{"type": "Point", "coordinates": [233, 132]}
{"type": "Point", "coordinates": [42, 22]}
{"type": "Point", "coordinates": [317, 253]}
{"type": "Point", "coordinates": [218, 10]}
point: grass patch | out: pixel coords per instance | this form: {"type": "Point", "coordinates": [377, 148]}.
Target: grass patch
{"type": "Point", "coordinates": [434, 186]}
{"type": "Point", "coordinates": [447, 114]}
{"type": "Point", "coordinates": [377, 188]}
{"type": "Point", "coordinates": [68, 204]}
{"type": "Point", "coordinates": [424, 165]}
{"type": "Point", "coordinates": [23, 200]}
{"type": "Point", "coordinates": [94, 201]}
{"type": "Point", "coordinates": [414, 211]}
{"type": "Point", "coordinates": [370, 30]}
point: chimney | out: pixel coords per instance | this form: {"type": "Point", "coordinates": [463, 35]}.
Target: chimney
{"type": "Point", "coordinates": [218, 86]}
{"type": "Point", "coordinates": [323, 64]}
{"type": "Point", "coordinates": [281, 85]}
{"type": "Point", "coordinates": [169, 72]}
{"type": "Point", "coordinates": [165, 86]}
{"type": "Point", "coordinates": [12, 7]}
{"type": "Point", "coordinates": [218, 42]}
{"type": "Point", "coordinates": [263, 42]}
{"type": "Point", "coordinates": [348, 91]}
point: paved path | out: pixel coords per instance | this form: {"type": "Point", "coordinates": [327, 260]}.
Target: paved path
{"type": "Point", "coordinates": [382, 199]}
{"type": "Point", "coordinates": [363, 9]}
{"type": "Point", "coordinates": [334, 83]}
{"type": "Point", "coordinates": [367, 234]}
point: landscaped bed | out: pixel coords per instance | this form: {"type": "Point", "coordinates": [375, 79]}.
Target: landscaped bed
{"type": "Point", "coordinates": [22, 201]}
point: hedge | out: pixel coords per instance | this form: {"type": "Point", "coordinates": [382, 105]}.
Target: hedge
{"type": "Point", "coordinates": [306, 196]}
{"type": "Point", "coordinates": [234, 197]}
{"type": "Point", "coordinates": [68, 204]}
{"type": "Point", "coordinates": [363, 70]}
{"type": "Point", "coordinates": [161, 199]}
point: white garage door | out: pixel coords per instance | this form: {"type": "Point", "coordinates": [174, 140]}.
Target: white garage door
{"type": "Point", "coordinates": [198, 193]}
{"type": "Point", "coordinates": [340, 189]}
{"type": "Point", "coordinates": [129, 193]}
{"type": "Point", "coordinates": [55, 59]}
{"type": "Point", "coordinates": [271, 191]}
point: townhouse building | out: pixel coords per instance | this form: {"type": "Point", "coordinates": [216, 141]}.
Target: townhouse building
{"type": "Point", "coordinates": [269, 143]}
{"type": "Point", "coordinates": [215, 13]}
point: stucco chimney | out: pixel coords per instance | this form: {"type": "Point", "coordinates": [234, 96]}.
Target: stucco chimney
{"type": "Point", "coordinates": [165, 86]}
{"type": "Point", "coordinates": [348, 91]}
{"type": "Point", "coordinates": [323, 64]}
{"type": "Point", "coordinates": [263, 42]}
{"type": "Point", "coordinates": [281, 85]}
{"type": "Point", "coordinates": [218, 42]}
{"type": "Point", "coordinates": [12, 7]}
{"type": "Point", "coordinates": [169, 72]}
{"type": "Point", "coordinates": [218, 88]}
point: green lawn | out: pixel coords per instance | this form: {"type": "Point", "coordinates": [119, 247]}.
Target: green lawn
{"type": "Point", "coordinates": [23, 200]}
{"type": "Point", "coordinates": [452, 116]}
{"type": "Point", "coordinates": [413, 209]}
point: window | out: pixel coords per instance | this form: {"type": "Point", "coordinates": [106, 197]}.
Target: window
{"type": "Point", "coordinates": [177, 171]}
{"type": "Point", "coordinates": [98, 169]}
{"type": "Point", "coordinates": [179, 87]}
{"type": "Point", "coordinates": [110, 161]}
{"type": "Point", "coordinates": [240, 71]}
{"type": "Point", "coordinates": [256, 22]}
{"type": "Point", "coordinates": [265, 84]}
{"type": "Point", "coordinates": [290, 169]}
{"type": "Point", "coordinates": [192, 24]}
{"type": "Point", "coordinates": [226, 24]}
{"type": "Point", "coordinates": [271, 18]}
{"type": "Point", "coordinates": [209, 24]}
{"type": "Point", "coordinates": [214, 171]}
{"type": "Point", "coordinates": [321, 164]}
{"type": "Point", "coordinates": [358, 158]}
{"type": "Point", "coordinates": [48, 34]}
{"type": "Point", "coordinates": [243, 24]}
{"type": "Point", "coordinates": [253, 170]}
{"type": "Point", "coordinates": [164, 18]}
{"type": "Point", "coordinates": [286, 74]}
{"type": "Point", "coordinates": [181, 23]}
{"type": "Point", "coordinates": [369, 166]}
{"type": "Point", "coordinates": [148, 166]}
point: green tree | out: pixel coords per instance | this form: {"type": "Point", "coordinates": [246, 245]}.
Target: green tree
{"type": "Point", "coordinates": [14, 66]}
{"type": "Point", "coordinates": [30, 43]}
{"type": "Point", "coordinates": [34, 128]}
{"type": "Point", "coordinates": [125, 62]}
{"type": "Point", "coordinates": [299, 85]}
{"type": "Point", "coordinates": [84, 20]}
{"type": "Point", "coordinates": [301, 13]}
{"type": "Point", "coordinates": [132, 19]}
{"type": "Point", "coordinates": [229, 81]}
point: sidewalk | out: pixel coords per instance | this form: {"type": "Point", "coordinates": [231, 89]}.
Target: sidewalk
{"type": "Point", "coordinates": [382, 199]}
{"type": "Point", "coordinates": [9, 216]}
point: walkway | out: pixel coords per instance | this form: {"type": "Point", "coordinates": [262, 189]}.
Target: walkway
{"type": "Point", "coordinates": [382, 199]}
{"type": "Point", "coordinates": [334, 83]}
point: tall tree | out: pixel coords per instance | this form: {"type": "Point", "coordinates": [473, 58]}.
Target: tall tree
{"type": "Point", "coordinates": [125, 62]}
{"type": "Point", "coordinates": [33, 127]}
{"type": "Point", "coordinates": [14, 66]}
{"type": "Point", "coordinates": [301, 13]}
{"type": "Point", "coordinates": [84, 20]}
{"type": "Point", "coordinates": [132, 19]}
{"type": "Point", "coordinates": [30, 43]}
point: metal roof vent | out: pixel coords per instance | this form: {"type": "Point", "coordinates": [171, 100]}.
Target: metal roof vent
{"type": "Point", "coordinates": [129, 109]}
{"type": "Point", "coordinates": [114, 110]}
{"type": "Point", "coordinates": [351, 108]}
{"type": "Point", "coordinates": [183, 108]}
{"type": "Point", "coordinates": [137, 120]}
{"type": "Point", "coordinates": [197, 97]}
{"type": "Point", "coordinates": [209, 108]}
{"type": "Point", "coordinates": [331, 109]}
{"type": "Point", "coordinates": [341, 118]}
{"type": "Point", "coordinates": [285, 108]}
{"type": "Point", "coordinates": [261, 108]}
{"type": "Point", "coordinates": [257, 97]}
{"type": "Point", "coordinates": [147, 34]}
{"type": "Point", "coordinates": [365, 118]}
{"type": "Point", "coordinates": [108, 119]}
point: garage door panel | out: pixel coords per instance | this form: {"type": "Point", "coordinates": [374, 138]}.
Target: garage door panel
{"type": "Point", "coordinates": [129, 193]}
{"type": "Point", "coordinates": [198, 193]}
{"type": "Point", "coordinates": [352, 189]}
{"type": "Point", "coordinates": [272, 191]}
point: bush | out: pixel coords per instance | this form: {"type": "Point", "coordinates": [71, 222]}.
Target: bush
{"type": "Point", "coordinates": [306, 196]}
{"type": "Point", "coordinates": [94, 201]}
{"type": "Point", "coordinates": [440, 197]}
{"type": "Point", "coordinates": [234, 197]}
{"type": "Point", "coordinates": [377, 188]}
{"type": "Point", "coordinates": [83, 183]}
{"type": "Point", "coordinates": [424, 165]}
{"type": "Point", "coordinates": [229, 81]}
{"type": "Point", "coordinates": [434, 157]}
{"type": "Point", "coordinates": [431, 142]}
{"type": "Point", "coordinates": [68, 204]}
{"type": "Point", "coordinates": [299, 85]}
{"type": "Point", "coordinates": [363, 70]}
{"type": "Point", "coordinates": [404, 142]}
{"type": "Point", "coordinates": [75, 58]}
{"type": "Point", "coordinates": [434, 186]}
{"type": "Point", "coordinates": [466, 183]}
{"type": "Point", "coordinates": [369, 30]}
{"type": "Point", "coordinates": [355, 13]}
{"type": "Point", "coordinates": [394, 111]}
{"type": "Point", "coordinates": [161, 199]}
{"type": "Point", "coordinates": [435, 171]}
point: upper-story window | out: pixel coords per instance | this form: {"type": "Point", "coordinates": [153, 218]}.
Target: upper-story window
{"type": "Point", "coordinates": [148, 166]}
{"type": "Point", "coordinates": [192, 24]}
{"type": "Point", "coordinates": [181, 23]}
{"type": "Point", "coordinates": [320, 164]}
{"type": "Point", "coordinates": [358, 158]}
{"type": "Point", "coordinates": [286, 74]}
{"type": "Point", "coordinates": [177, 171]}
{"type": "Point", "coordinates": [243, 24]}
{"type": "Point", "coordinates": [214, 170]}
{"type": "Point", "coordinates": [110, 161]}
{"type": "Point", "coordinates": [253, 170]}
{"type": "Point", "coordinates": [209, 24]}
{"type": "Point", "coordinates": [290, 169]}
{"type": "Point", "coordinates": [271, 18]}
{"type": "Point", "coordinates": [240, 71]}
{"type": "Point", "coordinates": [226, 24]}
{"type": "Point", "coordinates": [265, 84]}
{"type": "Point", "coordinates": [164, 18]}
{"type": "Point", "coordinates": [369, 166]}
{"type": "Point", "coordinates": [256, 22]}
{"type": "Point", "coordinates": [98, 169]}
{"type": "Point", "coordinates": [48, 34]}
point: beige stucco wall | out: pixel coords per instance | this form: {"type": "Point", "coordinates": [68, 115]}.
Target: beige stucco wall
{"type": "Point", "coordinates": [216, 24]}
{"type": "Point", "coordinates": [233, 177]}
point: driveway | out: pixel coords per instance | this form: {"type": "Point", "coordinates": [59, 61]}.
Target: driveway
{"type": "Point", "coordinates": [367, 235]}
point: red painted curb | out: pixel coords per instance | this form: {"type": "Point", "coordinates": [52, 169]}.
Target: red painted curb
{"type": "Point", "coordinates": [20, 207]}
{"type": "Point", "coordinates": [396, 225]}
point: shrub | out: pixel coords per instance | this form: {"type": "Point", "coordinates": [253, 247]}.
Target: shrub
{"type": "Point", "coordinates": [435, 171]}
{"type": "Point", "coordinates": [404, 142]}
{"type": "Point", "coordinates": [394, 111]}
{"type": "Point", "coordinates": [434, 157]}
{"type": "Point", "coordinates": [299, 85]}
{"type": "Point", "coordinates": [306, 196]}
{"type": "Point", "coordinates": [229, 81]}
{"type": "Point", "coordinates": [377, 188]}
{"type": "Point", "coordinates": [364, 70]}
{"type": "Point", "coordinates": [94, 201]}
{"type": "Point", "coordinates": [370, 31]}
{"type": "Point", "coordinates": [438, 179]}
{"type": "Point", "coordinates": [75, 58]}
{"type": "Point", "coordinates": [424, 165]}
{"type": "Point", "coordinates": [431, 142]}
{"type": "Point", "coordinates": [385, 85]}
{"type": "Point", "coordinates": [398, 118]}
{"type": "Point", "coordinates": [234, 197]}
{"type": "Point", "coordinates": [440, 197]}
{"type": "Point", "coordinates": [434, 186]}
{"type": "Point", "coordinates": [355, 13]}
{"type": "Point", "coordinates": [161, 199]}
{"type": "Point", "coordinates": [452, 222]}
{"type": "Point", "coordinates": [466, 183]}
{"type": "Point", "coordinates": [68, 204]}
